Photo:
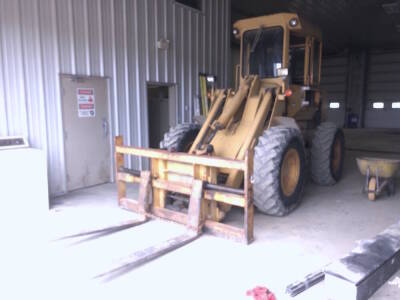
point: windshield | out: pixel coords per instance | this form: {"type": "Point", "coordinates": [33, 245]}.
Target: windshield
{"type": "Point", "coordinates": [262, 52]}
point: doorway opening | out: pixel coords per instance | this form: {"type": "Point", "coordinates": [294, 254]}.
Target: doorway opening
{"type": "Point", "coordinates": [161, 109]}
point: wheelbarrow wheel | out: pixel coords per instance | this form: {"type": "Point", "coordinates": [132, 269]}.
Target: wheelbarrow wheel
{"type": "Point", "coordinates": [372, 189]}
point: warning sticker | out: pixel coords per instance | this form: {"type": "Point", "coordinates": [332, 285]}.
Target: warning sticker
{"type": "Point", "coordinates": [86, 103]}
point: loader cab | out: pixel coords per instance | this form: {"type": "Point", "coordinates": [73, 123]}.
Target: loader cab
{"type": "Point", "coordinates": [280, 47]}
{"type": "Point", "coordinates": [284, 51]}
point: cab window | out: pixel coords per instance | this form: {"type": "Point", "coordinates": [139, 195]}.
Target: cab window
{"type": "Point", "coordinates": [296, 59]}
{"type": "Point", "coordinates": [262, 52]}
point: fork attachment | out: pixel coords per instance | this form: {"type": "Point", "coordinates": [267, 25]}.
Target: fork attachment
{"type": "Point", "coordinates": [194, 176]}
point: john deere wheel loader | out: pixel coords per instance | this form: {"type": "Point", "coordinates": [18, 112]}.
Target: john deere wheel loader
{"type": "Point", "coordinates": [277, 111]}
{"type": "Point", "coordinates": [255, 145]}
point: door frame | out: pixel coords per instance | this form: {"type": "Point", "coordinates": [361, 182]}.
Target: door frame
{"type": "Point", "coordinates": [172, 101]}
{"type": "Point", "coordinates": [110, 123]}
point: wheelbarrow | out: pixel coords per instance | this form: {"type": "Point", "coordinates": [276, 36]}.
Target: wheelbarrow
{"type": "Point", "coordinates": [379, 175]}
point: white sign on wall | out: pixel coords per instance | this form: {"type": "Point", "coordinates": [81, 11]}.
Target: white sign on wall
{"type": "Point", "coordinates": [86, 103]}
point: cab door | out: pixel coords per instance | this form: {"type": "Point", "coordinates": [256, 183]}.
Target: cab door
{"type": "Point", "coordinates": [315, 62]}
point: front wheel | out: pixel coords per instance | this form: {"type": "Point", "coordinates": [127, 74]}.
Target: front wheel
{"type": "Point", "coordinates": [279, 170]}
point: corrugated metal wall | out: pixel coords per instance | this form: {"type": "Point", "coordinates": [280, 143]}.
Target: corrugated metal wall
{"type": "Point", "coordinates": [39, 39]}
{"type": "Point", "coordinates": [383, 85]}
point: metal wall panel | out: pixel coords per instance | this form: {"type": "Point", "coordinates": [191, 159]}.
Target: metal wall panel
{"type": "Point", "coordinates": [383, 85]}
{"type": "Point", "coordinates": [333, 83]}
{"type": "Point", "coordinates": [39, 39]}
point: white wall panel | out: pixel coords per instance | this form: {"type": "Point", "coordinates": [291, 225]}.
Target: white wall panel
{"type": "Point", "coordinates": [333, 83]}
{"type": "Point", "coordinates": [383, 85]}
{"type": "Point", "coordinates": [39, 39]}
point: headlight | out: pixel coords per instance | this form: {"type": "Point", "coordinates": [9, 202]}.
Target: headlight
{"type": "Point", "coordinates": [293, 22]}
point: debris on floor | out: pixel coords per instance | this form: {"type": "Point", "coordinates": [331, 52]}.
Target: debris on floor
{"type": "Point", "coordinates": [395, 281]}
{"type": "Point", "coordinates": [261, 293]}
{"type": "Point", "coordinates": [308, 281]}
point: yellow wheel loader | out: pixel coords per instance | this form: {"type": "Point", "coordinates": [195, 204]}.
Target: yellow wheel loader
{"type": "Point", "coordinates": [273, 121]}
{"type": "Point", "coordinates": [276, 112]}
{"type": "Point", "coordinates": [258, 144]}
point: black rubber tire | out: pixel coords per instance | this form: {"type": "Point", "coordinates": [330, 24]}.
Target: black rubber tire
{"type": "Point", "coordinates": [322, 171]}
{"type": "Point", "coordinates": [268, 156]}
{"type": "Point", "coordinates": [178, 138]}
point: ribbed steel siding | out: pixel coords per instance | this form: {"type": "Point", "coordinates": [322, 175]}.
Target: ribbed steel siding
{"type": "Point", "coordinates": [383, 85]}
{"type": "Point", "coordinates": [333, 82]}
{"type": "Point", "coordinates": [41, 38]}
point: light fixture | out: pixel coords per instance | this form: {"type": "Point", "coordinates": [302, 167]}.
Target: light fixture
{"type": "Point", "coordinates": [235, 31]}
{"type": "Point", "coordinates": [334, 105]}
{"type": "Point", "coordinates": [396, 105]}
{"type": "Point", "coordinates": [210, 78]}
{"type": "Point", "coordinates": [378, 105]}
{"type": "Point", "coordinates": [293, 22]}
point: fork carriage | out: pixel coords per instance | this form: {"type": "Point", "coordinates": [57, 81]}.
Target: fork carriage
{"type": "Point", "coordinates": [190, 175]}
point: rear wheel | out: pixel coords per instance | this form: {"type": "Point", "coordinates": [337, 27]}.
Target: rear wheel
{"type": "Point", "coordinates": [372, 189]}
{"type": "Point", "coordinates": [180, 138]}
{"type": "Point", "coordinates": [327, 154]}
{"type": "Point", "coordinates": [279, 170]}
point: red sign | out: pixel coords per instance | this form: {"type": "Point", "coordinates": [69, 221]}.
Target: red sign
{"type": "Point", "coordinates": [85, 91]}
{"type": "Point", "coordinates": [86, 106]}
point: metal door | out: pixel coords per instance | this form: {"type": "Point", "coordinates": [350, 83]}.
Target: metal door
{"type": "Point", "coordinates": [86, 131]}
{"type": "Point", "coordinates": [383, 85]}
{"type": "Point", "coordinates": [333, 84]}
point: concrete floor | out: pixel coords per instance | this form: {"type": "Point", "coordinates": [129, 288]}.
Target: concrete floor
{"type": "Point", "coordinates": [326, 226]}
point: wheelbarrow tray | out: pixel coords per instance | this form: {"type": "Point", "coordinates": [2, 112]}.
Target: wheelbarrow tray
{"type": "Point", "coordinates": [382, 167]}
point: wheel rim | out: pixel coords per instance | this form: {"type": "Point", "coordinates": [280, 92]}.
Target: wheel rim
{"type": "Point", "coordinates": [290, 172]}
{"type": "Point", "coordinates": [336, 155]}
{"type": "Point", "coordinates": [372, 187]}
